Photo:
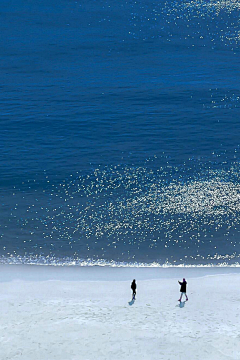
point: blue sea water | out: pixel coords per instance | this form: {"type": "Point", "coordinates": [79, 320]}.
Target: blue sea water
{"type": "Point", "coordinates": [120, 132]}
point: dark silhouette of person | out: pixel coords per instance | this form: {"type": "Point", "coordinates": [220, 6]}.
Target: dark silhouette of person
{"type": "Point", "coordinates": [183, 289]}
{"type": "Point", "coordinates": [134, 287]}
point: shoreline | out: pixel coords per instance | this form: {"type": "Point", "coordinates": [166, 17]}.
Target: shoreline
{"type": "Point", "coordinates": [107, 273]}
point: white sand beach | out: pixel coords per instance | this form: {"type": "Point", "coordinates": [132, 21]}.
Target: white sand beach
{"type": "Point", "coordinates": [74, 313]}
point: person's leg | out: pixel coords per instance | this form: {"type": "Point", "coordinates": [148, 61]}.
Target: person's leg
{"type": "Point", "coordinates": [180, 297]}
{"type": "Point", "coordinates": [186, 297]}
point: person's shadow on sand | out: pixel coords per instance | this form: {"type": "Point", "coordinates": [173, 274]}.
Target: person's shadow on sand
{"type": "Point", "coordinates": [181, 304]}
{"type": "Point", "coordinates": [131, 302]}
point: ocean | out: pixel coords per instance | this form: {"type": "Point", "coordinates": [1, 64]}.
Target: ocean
{"type": "Point", "coordinates": [120, 132]}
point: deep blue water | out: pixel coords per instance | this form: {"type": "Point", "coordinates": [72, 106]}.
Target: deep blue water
{"type": "Point", "coordinates": [120, 131]}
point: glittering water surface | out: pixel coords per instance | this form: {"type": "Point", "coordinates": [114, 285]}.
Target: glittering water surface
{"type": "Point", "coordinates": [120, 132]}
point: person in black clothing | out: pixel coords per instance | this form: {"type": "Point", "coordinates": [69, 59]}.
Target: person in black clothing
{"type": "Point", "coordinates": [183, 289]}
{"type": "Point", "coordinates": [134, 287]}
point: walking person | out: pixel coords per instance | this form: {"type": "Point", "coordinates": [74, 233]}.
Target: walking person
{"type": "Point", "coordinates": [183, 289]}
{"type": "Point", "coordinates": [134, 287]}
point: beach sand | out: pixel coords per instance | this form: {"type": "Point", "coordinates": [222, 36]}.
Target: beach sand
{"type": "Point", "coordinates": [74, 313]}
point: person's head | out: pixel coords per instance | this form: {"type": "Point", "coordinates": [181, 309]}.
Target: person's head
{"type": "Point", "coordinates": [184, 280]}
{"type": "Point", "coordinates": [134, 280]}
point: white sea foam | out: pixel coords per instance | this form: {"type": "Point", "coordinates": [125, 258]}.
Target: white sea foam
{"type": "Point", "coordinates": [219, 261]}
